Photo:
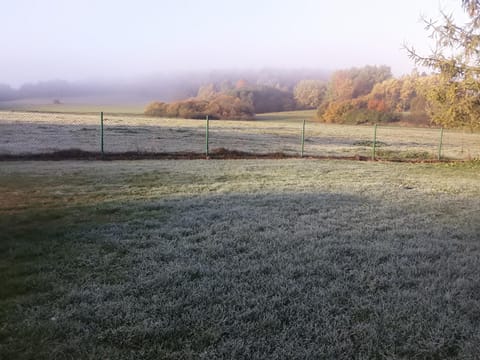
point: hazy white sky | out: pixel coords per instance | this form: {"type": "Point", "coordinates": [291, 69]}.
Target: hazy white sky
{"type": "Point", "coordinates": [86, 39]}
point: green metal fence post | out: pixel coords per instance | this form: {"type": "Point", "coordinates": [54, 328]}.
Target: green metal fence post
{"type": "Point", "coordinates": [303, 138]}
{"type": "Point", "coordinates": [374, 145]}
{"type": "Point", "coordinates": [440, 144]}
{"type": "Point", "coordinates": [101, 133]}
{"type": "Point", "coordinates": [206, 136]}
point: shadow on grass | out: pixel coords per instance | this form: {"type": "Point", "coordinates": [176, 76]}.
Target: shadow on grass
{"type": "Point", "coordinates": [240, 276]}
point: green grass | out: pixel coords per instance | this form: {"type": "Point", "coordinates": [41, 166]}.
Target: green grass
{"type": "Point", "coordinates": [76, 106]}
{"type": "Point", "coordinates": [405, 155]}
{"type": "Point", "coordinates": [288, 116]}
{"type": "Point", "coordinates": [239, 259]}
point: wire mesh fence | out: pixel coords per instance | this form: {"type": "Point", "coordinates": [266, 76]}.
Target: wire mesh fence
{"type": "Point", "coordinates": [41, 133]}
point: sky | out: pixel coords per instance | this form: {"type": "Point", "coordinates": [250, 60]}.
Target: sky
{"type": "Point", "coordinates": [82, 40]}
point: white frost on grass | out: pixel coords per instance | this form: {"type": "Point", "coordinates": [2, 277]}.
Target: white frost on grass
{"type": "Point", "coordinates": [24, 132]}
{"type": "Point", "coordinates": [247, 259]}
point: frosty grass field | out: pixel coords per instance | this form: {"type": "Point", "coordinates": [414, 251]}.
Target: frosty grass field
{"type": "Point", "coordinates": [243, 259]}
{"type": "Point", "coordinates": [34, 132]}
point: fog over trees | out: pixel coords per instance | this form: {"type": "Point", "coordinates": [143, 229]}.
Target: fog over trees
{"type": "Point", "coordinates": [162, 87]}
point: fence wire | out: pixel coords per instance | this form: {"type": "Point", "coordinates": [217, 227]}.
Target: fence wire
{"type": "Point", "coordinates": [37, 133]}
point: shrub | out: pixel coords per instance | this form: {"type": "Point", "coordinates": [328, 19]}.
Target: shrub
{"type": "Point", "coordinates": [230, 107]}
{"type": "Point", "coordinates": [365, 116]}
{"type": "Point", "coordinates": [221, 107]}
{"type": "Point", "coordinates": [335, 111]}
{"type": "Point", "coordinates": [156, 109]}
{"type": "Point", "coordinates": [356, 111]}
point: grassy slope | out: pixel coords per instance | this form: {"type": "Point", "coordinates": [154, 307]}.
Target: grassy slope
{"type": "Point", "coordinates": [77, 105]}
{"type": "Point", "coordinates": [86, 106]}
{"type": "Point", "coordinates": [288, 116]}
{"type": "Point", "coordinates": [239, 259]}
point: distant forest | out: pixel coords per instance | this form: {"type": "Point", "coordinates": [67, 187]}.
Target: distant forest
{"type": "Point", "coordinates": [166, 87]}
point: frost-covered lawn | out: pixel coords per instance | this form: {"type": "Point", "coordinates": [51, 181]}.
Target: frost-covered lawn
{"type": "Point", "coordinates": [239, 259]}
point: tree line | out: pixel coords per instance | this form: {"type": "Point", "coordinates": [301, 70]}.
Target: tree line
{"type": "Point", "coordinates": [240, 101]}
{"type": "Point", "coordinates": [373, 95]}
{"type": "Point", "coordinates": [356, 95]}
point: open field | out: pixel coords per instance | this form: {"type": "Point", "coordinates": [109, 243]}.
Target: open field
{"type": "Point", "coordinates": [291, 259]}
{"type": "Point", "coordinates": [292, 116]}
{"type": "Point", "coordinates": [27, 132]}
{"type": "Point", "coordinates": [75, 105]}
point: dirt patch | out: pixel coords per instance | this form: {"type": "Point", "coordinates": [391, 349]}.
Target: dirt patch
{"type": "Point", "coordinates": [218, 154]}
{"type": "Point", "coordinates": [75, 154]}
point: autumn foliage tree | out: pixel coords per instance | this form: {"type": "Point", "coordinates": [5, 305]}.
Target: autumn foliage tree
{"type": "Point", "coordinates": [340, 87]}
{"type": "Point", "coordinates": [454, 100]}
{"type": "Point", "coordinates": [396, 94]}
{"type": "Point", "coordinates": [207, 92]}
{"type": "Point", "coordinates": [309, 94]}
{"type": "Point", "coordinates": [219, 107]}
{"type": "Point", "coordinates": [347, 95]}
{"type": "Point", "coordinates": [370, 95]}
{"type": "Point", "coordinates": [230, 107]}
{"type": "Point", "coordinates": [355, 82]}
